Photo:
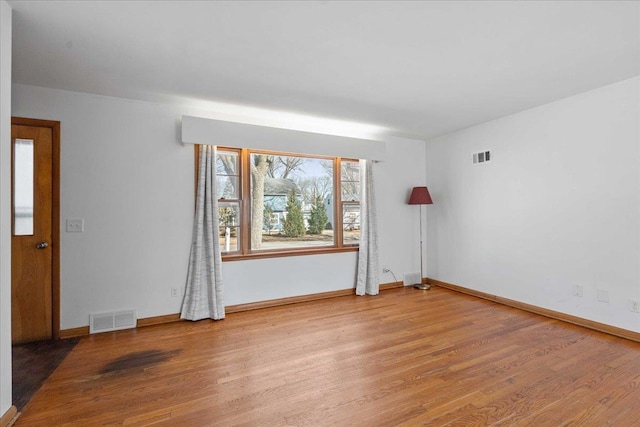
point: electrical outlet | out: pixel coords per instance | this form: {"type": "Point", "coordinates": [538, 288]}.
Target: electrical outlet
{"type": "Point", "coordinates": [634, 305]}
{"type": "Point", "coordinates": [578, 291]}
{"type": "Point", "coordinates": [385, 270]}
{"type": "Point", "coordinates": [174, 292]}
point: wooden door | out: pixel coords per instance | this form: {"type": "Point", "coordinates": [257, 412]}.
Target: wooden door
{"type": "Point", "coordinates": [32, 242]}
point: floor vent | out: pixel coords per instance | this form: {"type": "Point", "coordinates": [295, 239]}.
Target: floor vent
{"type": "Point", "coordinates": [411, 279]}
{"type": "Point", "coordinates": [104, 322]}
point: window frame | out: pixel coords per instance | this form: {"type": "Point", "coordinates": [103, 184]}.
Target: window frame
{"type": "Point", "coordinates": [244, 251]}
{"type": "Point", "coordinates": [239, 226]}
{"type": "Point", "coordinates": [346, 203]}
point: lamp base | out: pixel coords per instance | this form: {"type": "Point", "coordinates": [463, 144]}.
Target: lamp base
{"type": "Point", "coordinates": [422, 286]}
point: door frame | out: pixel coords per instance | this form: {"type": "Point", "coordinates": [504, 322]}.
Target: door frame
{"type": "Point", "coordinates": [55, 215]}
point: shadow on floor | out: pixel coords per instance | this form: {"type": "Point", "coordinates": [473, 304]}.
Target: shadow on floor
{"type": "Point", "coordinates": [32, 365]}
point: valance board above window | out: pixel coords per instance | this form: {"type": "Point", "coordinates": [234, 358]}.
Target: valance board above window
{"type": "Point", "coordinates": [197, 130]}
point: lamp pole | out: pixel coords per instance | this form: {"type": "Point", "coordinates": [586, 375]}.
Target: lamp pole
{"type": "Point", "coordinates": [420, 196]}
{"type": "Point", "coordinates": [421, 285]}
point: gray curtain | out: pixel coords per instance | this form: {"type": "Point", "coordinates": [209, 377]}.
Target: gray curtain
{"type": "Point", "coordinates": [203, 295]}
{"type": "Point", "coordinates": [368, 279]}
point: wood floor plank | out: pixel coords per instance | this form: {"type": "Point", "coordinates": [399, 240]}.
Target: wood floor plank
{"type": "Point", "coordinates": [404, 357]}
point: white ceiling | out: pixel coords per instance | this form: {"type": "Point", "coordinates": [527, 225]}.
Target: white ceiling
{"type": "Point", "coordinates": [416, 69]}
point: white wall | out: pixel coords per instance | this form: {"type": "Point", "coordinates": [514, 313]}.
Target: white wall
{"type": "Point", "coordinates": [558, 205]}
{"type": "Point", "coordinates": [5, 207]}
{"type": "Point", "coordinates": [126, 173]}
{"type": "Point", "coordinates": [399, 223]}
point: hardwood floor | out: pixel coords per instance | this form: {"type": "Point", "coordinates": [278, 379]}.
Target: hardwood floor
{"type": "Point", "coordinates": [405, 357]}
{"type": "Point", "coordinates": [31, 365]}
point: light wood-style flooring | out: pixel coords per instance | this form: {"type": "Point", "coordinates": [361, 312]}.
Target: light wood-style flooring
{"type": "Point", "coordinates": [403, 358]}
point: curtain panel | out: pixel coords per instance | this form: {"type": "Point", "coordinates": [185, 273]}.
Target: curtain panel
{"type": "Point", "coordinates": [368, 278]}
{"type": "Point", "coordinates": [204, 289]}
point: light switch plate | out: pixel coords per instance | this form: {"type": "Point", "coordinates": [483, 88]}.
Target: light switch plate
{"type": "Point", "coordinates": [75, 225]}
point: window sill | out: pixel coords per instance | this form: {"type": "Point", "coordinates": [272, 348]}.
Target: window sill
{"type": "Point", "coordinates": [280, 254]}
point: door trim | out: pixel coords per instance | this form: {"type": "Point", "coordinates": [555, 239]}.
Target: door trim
{"type": "Point", "coordinates": [55, 216]}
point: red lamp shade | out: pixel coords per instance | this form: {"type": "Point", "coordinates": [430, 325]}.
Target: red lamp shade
{"type": "Point", "coordinates": [420, 196]}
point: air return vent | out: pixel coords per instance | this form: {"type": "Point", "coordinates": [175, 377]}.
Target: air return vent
{"type": "Point", "coordinates": [104, 322]}
{"type": "Point", "coordinates": [482, 157]}
{"type": "Point", "coordinates": [411, 279]}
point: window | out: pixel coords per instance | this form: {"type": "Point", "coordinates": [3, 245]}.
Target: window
{"type": "Point", "coordinates": [273, 204]}
{"type": "Point", "coordinates": [350, 201]}
{"type": "Point", "coordinates": [228, 187]}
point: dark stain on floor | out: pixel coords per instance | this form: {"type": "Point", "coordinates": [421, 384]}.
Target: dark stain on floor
{"type": "Point", "coordinates": [33, 363]}
{"type": "Point", "coordinates": [137, 361]}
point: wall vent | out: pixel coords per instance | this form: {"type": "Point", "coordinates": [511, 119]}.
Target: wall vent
{"type": "Point", "coordinates": [411, 279]}
{"type": "Point", "coordinates": [104, 322]}
{"type": "Point", "coordinates": [482, 157]}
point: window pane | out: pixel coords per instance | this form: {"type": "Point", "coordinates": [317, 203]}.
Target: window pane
{"type": "Point", "coordinates": [23, 187]}
{"type": "Point", "coordinates": [226, 162]}
{"type": "Point", "coordinates": [291, 202]}
{"type": "Point", "coordinates": [227, 179]}
{"type": "Point", "coordinates": [350, 180]}
{"type": "Point", "coordinates": [229, 214]}
{"type": "Point", "coordinates": [227, 187]}
{"type": "Point", "coordinates": [350, 223]}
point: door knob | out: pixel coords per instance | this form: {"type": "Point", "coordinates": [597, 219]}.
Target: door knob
{"type": "Point", "coordinates": [42, 245]}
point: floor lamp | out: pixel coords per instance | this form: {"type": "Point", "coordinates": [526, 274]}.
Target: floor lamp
{"type": "Point", "coordinates": [420, 196]}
